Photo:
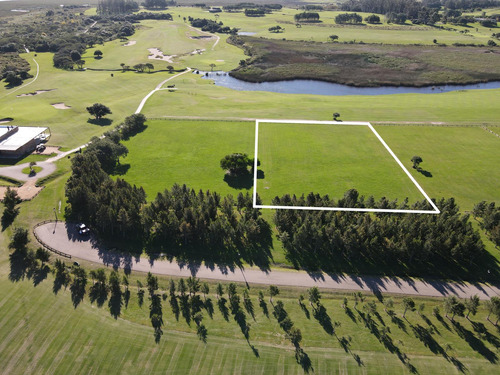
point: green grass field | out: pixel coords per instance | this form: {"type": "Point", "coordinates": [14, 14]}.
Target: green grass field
{"type": "Point", "coordinates": [328, 159]}
{"type": "Point", "coordinates": [198, 98]}
{"type": "Point", "coordinates": [57, 338]}
{"type": "Point", "coordinates": [42, 333]}
{"type": "Point", "coordinates": [186, 152]}
{"type": "Point", "coordinates": [320, 32]}
{"type": "Point", "coordinates": [325, 159]}
{"type": "Point", "coordinates": [462, 161]}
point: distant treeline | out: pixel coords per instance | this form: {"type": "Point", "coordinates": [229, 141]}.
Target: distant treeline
{"type": "Point", "coordinates": [400, 243]}
{"type": "Point", "coordinates": [105, 7]}
{"type": "Point", "coordinates": [211, 26]}
{"type": "Point", "coordinates": [412, 7]}
{"type": "Point", "coordinates": [425, 12]}
{"type": "Point", "coordinates": [306, 17]}
{"type": "Point", "coordinates": [268, 8]}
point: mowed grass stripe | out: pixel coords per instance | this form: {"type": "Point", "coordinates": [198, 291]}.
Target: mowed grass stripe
{"type": "Point", "coordinates": [328, 159]}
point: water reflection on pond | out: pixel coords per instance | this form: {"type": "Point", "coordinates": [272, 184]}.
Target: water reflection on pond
{"type": "Point", "coordinates": [303, 86]}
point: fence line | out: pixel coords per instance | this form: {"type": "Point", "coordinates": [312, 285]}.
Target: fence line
{"type": "Point", "coordinates": [45, 245]}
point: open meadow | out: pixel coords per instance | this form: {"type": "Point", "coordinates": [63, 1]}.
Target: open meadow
{"type": "Point", "coordinates": [328, 159]}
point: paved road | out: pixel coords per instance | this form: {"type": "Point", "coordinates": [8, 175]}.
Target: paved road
{"type": "Point", "coordinates": [64, 238]}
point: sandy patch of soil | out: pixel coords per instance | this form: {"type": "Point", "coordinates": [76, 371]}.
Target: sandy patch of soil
{"type": "Point", "coordinates": [26, 192]}
{"type": "Point", "coordinates": [129, 43]}
{"type": "Point", "coordinates": [37, 92]}
{"type": "Point", "coordinates": [49, 150]}
{"type": "Point", "coordinates": [60, 106]}
{"type": "Point", "coordinates": [219, 60]}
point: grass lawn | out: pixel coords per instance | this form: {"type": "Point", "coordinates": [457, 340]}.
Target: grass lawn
{"type": "Point", "coordinates": [186, 152]}
{"type": "Point", "coordinates": [199, 98]}
{"type": "Point", "coordinates": [328, 159]}
{"type": "Point", "coordinates": [27, 170]}
{"type": "Point", "coordinates": [320, 32]}
{"type": "Point", "coordinates": [59, 338]}
{"type": "Point", "coordinates": [463, 161]}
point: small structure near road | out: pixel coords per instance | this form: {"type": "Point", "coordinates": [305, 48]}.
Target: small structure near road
{"type": "Point", "coordinates": [15, 141]}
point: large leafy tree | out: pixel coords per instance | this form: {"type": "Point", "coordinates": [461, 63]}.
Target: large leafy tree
{"type": "Point", "coordinates": [98, 110]}
{"type": "Point", "coordinates": [236, 163]}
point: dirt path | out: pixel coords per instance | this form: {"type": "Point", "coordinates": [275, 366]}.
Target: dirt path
{"type": "Point", "coordinates": [64, 238]}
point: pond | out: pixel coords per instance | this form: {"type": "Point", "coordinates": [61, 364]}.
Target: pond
{"type": "Point", "coordinates": [303, 86]}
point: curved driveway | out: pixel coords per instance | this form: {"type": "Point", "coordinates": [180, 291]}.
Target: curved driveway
{"type": "Point", "coordinates": [64, 238]}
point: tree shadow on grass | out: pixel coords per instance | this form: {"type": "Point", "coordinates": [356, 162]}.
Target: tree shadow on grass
{"type": "Point", "coordinates": [350, 314]}
{"type": "Point", "coordinates": [8, 218]}
{"type": "Point", "coordinates": [243, 181]}
{"type": "Point", "coordinates": [483, 332]}
{"type": "Point", "coordinates": [209, 307]}
{"type": "Point", "coordinates": [223, 308]}
{"type": "Point", "coordinates": [98, 293]}
{"type": "Point", "coordinates": [115, 305]}
{"type": "Point", "coordinates": [263, 306]}
{"type": "Point", "coordinates": [475, 344]}
{"type": "Point", "coordinates": [303, 360]}
{"type": "Point", "coordinates": [19, 266]}
{"type": "Point", "coordinates": [40, 274]}
{"type": "Point", "coordinates": [175, 306]}
{"type": "Point", "coordinates": [100, 122]}
{"type": "Point", "coordinates": [424, 172]}
{"type": "Point", "coordinates": [306, 311]}
{"type": "Point", "coordinates": [121, 169]}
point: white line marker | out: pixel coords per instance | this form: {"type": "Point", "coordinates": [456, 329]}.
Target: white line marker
{"type": "Point", "coordinates": [351, 123]}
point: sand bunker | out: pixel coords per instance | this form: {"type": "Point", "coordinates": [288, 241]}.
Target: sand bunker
{"type": "Point", "coordinates": [60, 106]}
{"type": "Point", "coordinates": [157, 54]}
{"type": "Point", "coordinates": [130, 43]}
{"type": "Point", "coordinates": [37, 92]}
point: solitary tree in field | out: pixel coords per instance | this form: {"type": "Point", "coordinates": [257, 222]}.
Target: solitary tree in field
{"type": "Point", "coordinates": [416, 160]}
{"type": "Point", "coordinates": [98, 110]}
{"type": "Point", "coordinates": [493, 307]}
{"type": "Point", "coordinates": [471, 304]}
{"type": "Point", "coordinates": [170, 68]}
{"type": "Point", "coordinates": [388, 305]}
{"type": "Point", "coordinates": [98, 54]}
{"type": "Point", "coordinates": [273, 291]}
{"type": "Point", "coordinates": [314, 296]}
{"type": "Point", "coordinates": [80, 63]}
{"type": "Point", "coordinates": [333, 37]}
{"type": "Point", "coordinates": [408, 304]}
{"type": "Point", "coordinates": [212, 66]}
{"type": "Point", "coordinates": [452, 305]}
{"type": "Point", "coordinates": [336, 116]}
{"type": "Point", "coordinates": [236, 163]}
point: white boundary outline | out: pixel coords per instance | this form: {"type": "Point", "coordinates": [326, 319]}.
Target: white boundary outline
{"type": "Point", "coordinates": [352, 123]}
